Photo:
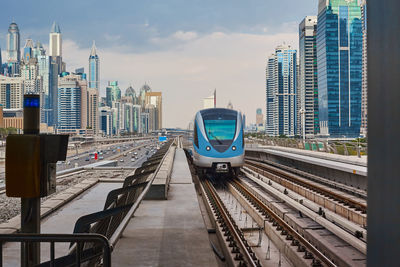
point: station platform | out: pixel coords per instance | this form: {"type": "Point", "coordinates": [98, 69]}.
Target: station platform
{"type": "Point", "coordinates": [167, 232]}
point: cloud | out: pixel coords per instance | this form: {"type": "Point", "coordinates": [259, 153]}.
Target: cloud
{"type": "Point", "coordinates": [233, 63]}
{"type": "Point", "coordinates": [185, 36]}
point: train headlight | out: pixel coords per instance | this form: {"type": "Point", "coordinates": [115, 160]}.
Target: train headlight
{"type": "Point", "coordinates": [233, 148]}
{"type": "Point", "coordinates": [208, 148]}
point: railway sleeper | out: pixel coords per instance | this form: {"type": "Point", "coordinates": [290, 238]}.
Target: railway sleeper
{"type": "Point", "coordinates": [335, 249]}
{"type": "Point", "coordinates": [280, 241]}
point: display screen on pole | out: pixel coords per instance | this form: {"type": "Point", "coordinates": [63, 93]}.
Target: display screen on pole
{"type": "Point", "coordinates": [162, 138]}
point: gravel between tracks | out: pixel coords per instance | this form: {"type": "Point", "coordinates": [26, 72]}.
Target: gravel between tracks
{"type": "Point", "coordinates": [11, 207]}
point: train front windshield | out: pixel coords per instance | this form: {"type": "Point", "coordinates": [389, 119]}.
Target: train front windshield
{"type": "Point", "coordinates": [220, 126]}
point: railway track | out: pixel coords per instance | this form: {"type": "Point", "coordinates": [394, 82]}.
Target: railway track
{"type": "Point", "coordinates": [241, 252]}
{"type": "Point", "coordinates": [350, 207]}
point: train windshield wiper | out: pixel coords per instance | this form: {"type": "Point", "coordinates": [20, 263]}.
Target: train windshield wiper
{"type": "Point", "coordinates": [216, 138]}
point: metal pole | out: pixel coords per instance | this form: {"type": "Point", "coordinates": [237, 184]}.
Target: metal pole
{"type": "Point", "coordinates": [30, 207]}
{"type": "Point", "coordinates": [383, 132]}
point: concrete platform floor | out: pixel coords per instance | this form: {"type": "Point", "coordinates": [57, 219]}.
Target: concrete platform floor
{"type": "Point", "coordinates": [167, 232]}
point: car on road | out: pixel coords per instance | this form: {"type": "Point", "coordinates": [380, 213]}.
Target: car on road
{"type": "Point", "coordinates": [87, 159]}
{"type": "Point", "coordinates": [121, 160]}
{"type": "Point", "coordinates": [101, 157]}
{"type": "Point", "coordinates": [133, 159]}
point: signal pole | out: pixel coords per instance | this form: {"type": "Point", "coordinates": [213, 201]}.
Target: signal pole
{"type": "Point", "coordinates": [30, 207]}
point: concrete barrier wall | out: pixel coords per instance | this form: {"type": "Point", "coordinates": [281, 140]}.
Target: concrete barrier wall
{"type": "Point", "coordinates": [342, 176]}
{"type": "Point", "coordinates": [159, 187]}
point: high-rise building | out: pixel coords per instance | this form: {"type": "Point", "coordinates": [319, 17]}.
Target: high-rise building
{"type": "Point", "coordinates": [13, 43]}
{"type": "Point", "coordinates": [94, 72]}
{"type": "Point", "coordinates": [106, 120]}
{"type": "Point", "coordinates": [55, 47]}
{"type": "Point", "coordinates": [339, 53]}
{"type": "Point", "coordinates": [29, 71]}
{"type": "Point", "coordinates": [28, 50]}
{"type": "Point", "coordinates": [48, 70]}
{"type": "Point", "coordinates": [364, 94]}
{"type": "Point", "coordinates": [69, 104]}
{"type": "Point", "coordinates": [92, 109]}
{"type": "Point", "coordinates": [137, 113]}
{"type": "Point", "coordinates": [211, 101]}
{"type": "Point", "coordinates": [142, 95]}
{"type": "Point", "coordinates": [13, 51]}
{"type": "Point", "coordinates": [155, 99]}
{"type": "Point", "coordinates": [259, 117]}
{"type": "Point", "coordinates": [55, 44]}
{"type": "Point", "coordinates": [38, 50]}
{"type": "Point", "coordinates": [113, 93]}
{"type": "Point", "coordinates": [130, 92]}
{"type": "Point", "coordinates": [281, 82]}
{"type": "Point", "coordinates": [144, 123]}
{"type": "Point", "coordinates": [307, 93]}
{"type": "Point", "coordinates": [11, 92]}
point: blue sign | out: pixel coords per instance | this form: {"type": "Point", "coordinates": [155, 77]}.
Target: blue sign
{"type": "Point", "coordinates": [31, 101]}
{"type": "Point", "coordinates": [162, 138]}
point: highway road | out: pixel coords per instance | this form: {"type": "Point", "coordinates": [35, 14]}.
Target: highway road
{"type": "Point", "coordinates": [115, 152]}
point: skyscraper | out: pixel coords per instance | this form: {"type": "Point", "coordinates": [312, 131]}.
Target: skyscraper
{"type": "Point", "coordinates": [364, 94]}
{"type": "Point", "coordinates": [92, 109]}
{"type": "Point", "coordinates": [259, 117]}
{"type": "Point", "coordinates": [13, 43]}
{"type": "Point", "coordinates": [155, 99]}
{"type": "Point", "coordinates": [113, 93]}
{"type": "Point", "coordinates": [281, 82]}
{"type": "Point", "coordinates": [11, 92]}
{"type": "Point", "coordinates": [130, 92]}
{"type": "Point", "coordinates": [55, 43]}
{"type": "Point", "coordinates": [28, 50]}
{"type": "Point", "coordinates": [69, 104]}
{"type": "Point", "coordinates": [55, 47]}
{"type": "Point", "coordinates": [339, 53]}
{"type": "Point", "coordinates": [48, 69]}
{"type": "Point", "coordinates": [94, 64]}
{"type": "Point", "coordinates": [308, 78]}
{"type": "Point", "coordinates": [142, 95]}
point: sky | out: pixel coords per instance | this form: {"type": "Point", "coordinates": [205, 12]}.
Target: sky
{"type": "Point", "coordinates": [183, 48]}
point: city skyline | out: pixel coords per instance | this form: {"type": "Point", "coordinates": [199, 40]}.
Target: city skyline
{"type": "Point", "coordinates": [184, 61]}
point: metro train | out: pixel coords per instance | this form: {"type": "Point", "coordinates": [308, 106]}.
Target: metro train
{"type": "Point", "coordinates": [218, 141]}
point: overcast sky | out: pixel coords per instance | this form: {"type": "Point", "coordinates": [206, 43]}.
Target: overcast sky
{"type": "Point", "coordinates": [182, 48]}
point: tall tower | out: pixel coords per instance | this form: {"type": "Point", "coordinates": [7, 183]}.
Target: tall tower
{"type": "Point", "coordinates": [55, 47]}
{"type": "Point", "coordinates": [339, 53]}
{"type": "Point", "coordinates": [55, 44]}
{"type": "Point", "coordinates": [308, 78]}
{"type": "Point", "coordinates": [281, 86]}
{"type": "Point", "coordinates": [13, 43]}
{"type": "Point", "coordinates": [94, 64]}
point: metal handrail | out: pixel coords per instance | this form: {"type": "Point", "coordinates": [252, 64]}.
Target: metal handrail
{"type": "Point", "coordinates": [79, 239]}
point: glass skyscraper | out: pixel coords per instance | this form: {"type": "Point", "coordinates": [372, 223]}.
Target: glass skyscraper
{"type": "Point", "coordinates": [69, 105]}
{"type": "Point", "coordinates": [339, 54]}
{"type": "Point", "coordinates": [13, 43]}
{"type": "Point", "coordinates": [94, 62]}
{"type": "Point", "coordinates": [281, 86]}
{"type": "Point", "coordinates": [113, 93]}
{"type": "Point", "coordinates": [308, 78]}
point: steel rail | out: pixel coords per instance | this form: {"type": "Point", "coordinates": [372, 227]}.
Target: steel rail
{"type": "Point", "coordinates": [318, 254]}
{"type": "Point", "coordinates": [351, 202]}
{"type": "Point", "coordinates": [222, 209]}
